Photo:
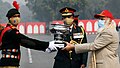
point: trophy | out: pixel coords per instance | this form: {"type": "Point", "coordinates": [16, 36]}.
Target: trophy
{"type": "Point", "coordinates": [59, 32]}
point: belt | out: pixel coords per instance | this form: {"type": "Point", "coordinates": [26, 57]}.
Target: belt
{"type": "Point", "coordinates": [10, 53]}
{"type": "Point", "coordinates": [9, 56]}
{"type": "Point", "coordinates": [10, 50]}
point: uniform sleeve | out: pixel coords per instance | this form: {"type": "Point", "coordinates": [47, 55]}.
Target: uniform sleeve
{"type": "Point", "coordinates": [32, 43]}
{"type": "Point", "coordinates": [29, 42]}
{"type": "Point", "coordinates": [84, 58]}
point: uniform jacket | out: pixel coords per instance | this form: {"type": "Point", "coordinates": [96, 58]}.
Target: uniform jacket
{"type": "Point", "coordinates": [11, 42]}
{"type": "Point", "coordinates": [63, 59]}
{"type": "Point", "coordinates": [104, 49]}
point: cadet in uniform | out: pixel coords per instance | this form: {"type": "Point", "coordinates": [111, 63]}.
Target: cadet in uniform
{"type": "Point", "coordinates": [11, 40]}
{"type": "Point", "coordinates": [69, 59]}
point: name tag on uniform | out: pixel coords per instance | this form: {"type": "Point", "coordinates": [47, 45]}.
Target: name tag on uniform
{"type": "Point", "coordinates": [78, 35]}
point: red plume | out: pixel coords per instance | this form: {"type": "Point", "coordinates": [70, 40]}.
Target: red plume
{"type": "Point", "coordinates": [16, 5]}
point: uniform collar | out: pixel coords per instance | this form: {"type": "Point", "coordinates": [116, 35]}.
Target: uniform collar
{"type": "Point", "coordinates": [11, 26]}
{"type": "Point", "coordinates": [71, 27]}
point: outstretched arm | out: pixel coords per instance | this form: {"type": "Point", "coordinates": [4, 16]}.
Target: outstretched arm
{"type": "Point", "coordinates": [32, 43]}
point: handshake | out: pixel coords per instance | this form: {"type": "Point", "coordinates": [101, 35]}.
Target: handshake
{"type": "Point", "coordinates": [53, 46]}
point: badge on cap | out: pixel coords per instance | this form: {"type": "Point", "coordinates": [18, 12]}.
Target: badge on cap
{"type": "Point", "coordinates": [67, 11]}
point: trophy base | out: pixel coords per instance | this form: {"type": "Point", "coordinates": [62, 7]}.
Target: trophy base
{"type": "Point", "coordinates": [60, 43]}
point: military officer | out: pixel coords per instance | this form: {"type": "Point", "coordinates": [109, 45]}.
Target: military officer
{"type": "Point", "coordinates": [69, 59]}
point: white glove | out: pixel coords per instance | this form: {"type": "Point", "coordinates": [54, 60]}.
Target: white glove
{"type": "Point", "coordinates": [53, 47]}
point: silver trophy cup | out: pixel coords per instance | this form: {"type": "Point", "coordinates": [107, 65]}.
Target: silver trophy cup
{"type": "Point", "coordinates": [59, 32]}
